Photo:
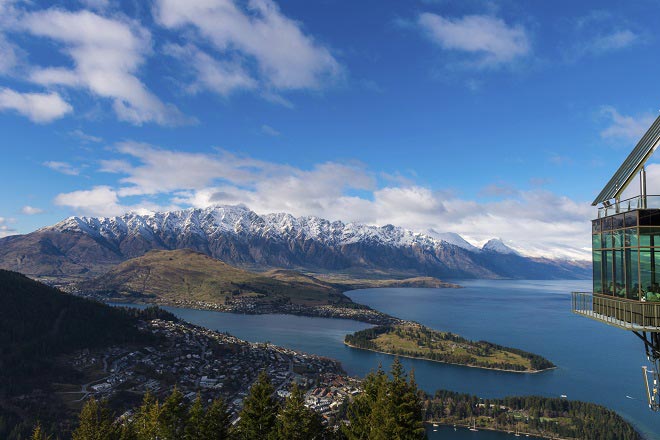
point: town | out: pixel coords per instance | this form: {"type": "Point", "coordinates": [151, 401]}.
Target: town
{"type": "Point", "coordinates": [211, 364]}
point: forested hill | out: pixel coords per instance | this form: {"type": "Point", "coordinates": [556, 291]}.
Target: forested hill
{"type": "Point", "coordinates": [533, 415]}
{"type": "Point", "coordinates": [38, 321]}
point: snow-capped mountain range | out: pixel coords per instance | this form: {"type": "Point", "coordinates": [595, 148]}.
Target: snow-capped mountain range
{"type": "Point", "coordinates": [81, 246]}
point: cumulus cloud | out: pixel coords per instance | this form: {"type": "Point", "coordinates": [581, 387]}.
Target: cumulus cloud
{"type": "Point", "coordinates": [489, 39]}
{"type": "Point", "coordinates": [103, 201]}
{"type": "Point", "coordinates": [62, 167]}
{"type": "Point", "coordinates": [221, 77]}
{"type": "Point", "coordinates": [624, 127]}
{"type": "Point", "coordinates": [256, 30]}
{"type": "Point", "coordinates": [38, 107]}
{"type": "Point", "coordinates": [537, 221]}
{"type": "Point", "coordinates": [31, 210]}
{"type": "Point", "coordinates": [5, 229]}
{"type": "Point", "coordinates": [107, 55]}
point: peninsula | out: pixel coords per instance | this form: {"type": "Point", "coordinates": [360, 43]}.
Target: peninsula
{"type": "Point", "coordinates": [410, 339]}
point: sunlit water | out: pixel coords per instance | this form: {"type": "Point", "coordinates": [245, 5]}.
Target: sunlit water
{"type": "Point", "coordinates": [596, 362]}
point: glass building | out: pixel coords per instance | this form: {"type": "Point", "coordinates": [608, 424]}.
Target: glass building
{"type": "Point", "coordinates": [626, 255]}
{"type": "Point", "coordinates": [625, 242]}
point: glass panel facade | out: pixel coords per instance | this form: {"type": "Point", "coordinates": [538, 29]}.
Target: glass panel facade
{"type": "Point", "coordinates": [598, 270]}
{"type": "Point", "coordinates": [625, 256]}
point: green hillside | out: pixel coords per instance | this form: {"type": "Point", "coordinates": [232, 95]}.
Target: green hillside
{"type": "Point", "coordinates": [185, 275]}
{"type": "Point", "coordinates": [417, 341]}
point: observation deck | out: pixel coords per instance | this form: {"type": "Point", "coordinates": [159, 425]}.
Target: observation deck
{"type": "Point", "coordinates": [639, 316]}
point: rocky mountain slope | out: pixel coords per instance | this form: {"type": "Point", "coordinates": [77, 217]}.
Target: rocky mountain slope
{"type": "Point", "coordinates": [81, 247]}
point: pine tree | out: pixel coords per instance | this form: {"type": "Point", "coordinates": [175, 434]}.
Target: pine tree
{"type": "Point", "coordinates": [146, 423]}
{"type": "Point", "coordinates": [38, 433]}
{"type": "Point", "coordinates": [195, 424]}
{"type": "Point", "coordinates": [387, 409]}
{"type": "Point", "coordinates": [217, 421]}
{"type": "Point", "coordinates": [259, 413]}
{"type": "Point", "coordinates": [173, 416]}
{"type": "Point", "coordinates": [95, 423]}
{"type": "Point", "coordinates": [296, 421]}
{"type": "Point", "coordinates": [359, 412]}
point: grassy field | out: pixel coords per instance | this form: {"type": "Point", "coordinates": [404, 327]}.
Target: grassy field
{"type": "Point", "coordinates": [415, 340]}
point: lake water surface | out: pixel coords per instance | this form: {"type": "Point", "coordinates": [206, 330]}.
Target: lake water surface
{"type": "Point", "coordinates": [596, 362]}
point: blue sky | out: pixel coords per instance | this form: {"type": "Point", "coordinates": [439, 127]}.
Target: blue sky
{"type": "Point", "coordinates": [490, 119]}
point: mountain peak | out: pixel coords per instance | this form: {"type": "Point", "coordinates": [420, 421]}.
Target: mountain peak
{"type": "Point", "coordinates": [497, 245]}
{"type": "Point", "coordinates": [452, 238]}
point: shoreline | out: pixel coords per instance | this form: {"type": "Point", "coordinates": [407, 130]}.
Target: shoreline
{"type": "Point", "coordinates": [452, 363]}
{"type": "Point", "coordinates": [376, 318]}
{"type": "Point", "coordinates": [216, 309]}
{"type": "Point", "coordinates": [506, 431]}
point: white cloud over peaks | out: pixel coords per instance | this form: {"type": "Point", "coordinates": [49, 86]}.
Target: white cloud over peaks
{"type": "Point", "coordinates": [38, 107]}
{"type": "Point", "coordinates": [107, 54]}
{"type": "Point", "coordinates": [625, 127]}
{"type": "Point", "coordinates": [537, 221]}
{"type": "Point", "coordinates": [5, 229]}
{"type": "Point", "coordinates": [492, 40]}
{"type": "Point", "coordinates": [286, 57]}
{"type": "Point", "coordinates": [103, 201]}
{"type": "Point", "coordinates": [31, 210]}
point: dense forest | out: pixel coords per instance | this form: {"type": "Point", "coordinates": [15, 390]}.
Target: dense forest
{"type": "Point", "coordinates": [438, 346]}
{"type": "Point", "coordinates": [530, 414]}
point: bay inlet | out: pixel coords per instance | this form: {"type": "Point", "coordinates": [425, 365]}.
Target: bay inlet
{"type": "Point", "coordinates": [595, 363]}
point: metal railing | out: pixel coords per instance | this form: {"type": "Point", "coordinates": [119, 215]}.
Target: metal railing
{"type": "Point", "coordinates": [637, 202]}
{"type": "Point", "coordinates": [629, 315]}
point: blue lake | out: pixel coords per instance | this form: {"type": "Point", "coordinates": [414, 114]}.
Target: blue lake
{"type": "Point", "coordinates": [597, 363]}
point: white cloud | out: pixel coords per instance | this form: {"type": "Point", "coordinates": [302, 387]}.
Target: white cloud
{"type": "Point", "coordinates": [335, 191]}
{"type": "Point", "coordinates": [38, 107]}
{"type": "Point", "coordinates": [5, 229]}
{"type": "Point", "coordinates": [100, 200]}
{"type": "Point", "coordinates": [107, 55]}
{"type": "Point", "coordinates": [270, 131]}
{"type": "Point", "coordinates": [31, 210]}
{"type": "Point", "coordinates": [613, 41]}
{"type": "Point", "coordinates": [286, 57]}
{"type": "Point", "coordinates": [62, 167]}
{"type": "Point", "coordinates": [492, 41]}
{"type": "Point", "coordinates": [8, 56]}
{"type": "Point", "coordinates": [600, 32]}
{"type": "Point", "coordinates": [221, 77]}
{"type": "Point", "coordinates": [85, 137]}
{"type": "Point", "coordinates": [624, 127]}
{"type": "Point", "coordinates": [103, 201]}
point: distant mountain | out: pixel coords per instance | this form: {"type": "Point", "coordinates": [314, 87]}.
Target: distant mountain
{"type": "Point", "coordinates": [83, 247]}
{"type": "Point", "coordinates": [496, 245]}
{"type": "Point", "coordinates": [185, 275]}
{"type": "Point", "coordinates": [453, 238]}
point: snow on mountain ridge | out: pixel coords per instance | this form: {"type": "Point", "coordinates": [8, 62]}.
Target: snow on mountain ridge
{"type": "Point", "coordinates": [210, 222]}
{"type": "Point", "coordinates": [497, 245]}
